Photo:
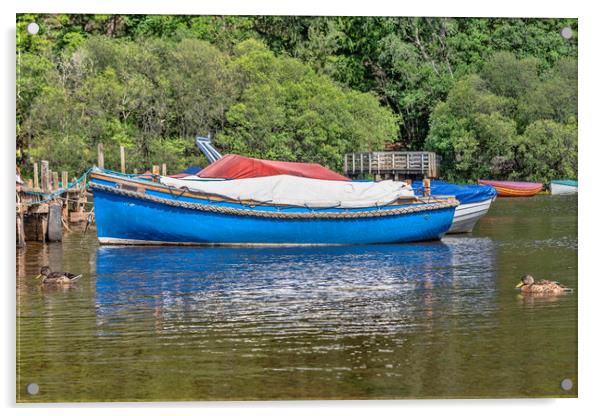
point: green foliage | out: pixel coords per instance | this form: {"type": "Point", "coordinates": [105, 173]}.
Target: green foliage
{"type": "Point", "coordinates": [287, 111]}
{"type": "Point", "coordinates": [295, 87]}
{"type": "Point", "coordinates": [154, 96]}
{"type": "Point", "coordinates": [547, 150]}
{"type": "Point", "coordinates": [511, 123]}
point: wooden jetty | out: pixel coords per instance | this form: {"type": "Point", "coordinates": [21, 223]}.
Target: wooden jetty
{"type": "Point", "coordinates": [392, 165]}
{"type": "Point", "coordinates": [45, 205]}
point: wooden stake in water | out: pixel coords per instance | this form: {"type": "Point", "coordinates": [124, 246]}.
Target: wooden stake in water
{"type": "Point", "coordinates": [164, 169]}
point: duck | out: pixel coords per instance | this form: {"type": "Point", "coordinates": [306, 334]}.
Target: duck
{"type": "Point", "coordinates": [528, 285]}
{"type": "Point", "coordinates": [57, 278]}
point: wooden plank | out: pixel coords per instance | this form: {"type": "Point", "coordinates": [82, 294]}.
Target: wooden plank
{"type": "Point", "coordinates": [39, 209]}
{"type": "Point", "coordinates": [76, 217]}
{"type": "Point", "coordinates": [122, 157]}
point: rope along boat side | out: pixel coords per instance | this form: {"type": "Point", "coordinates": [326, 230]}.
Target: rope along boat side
{"type": "Point", "coordinates": [133, 211]}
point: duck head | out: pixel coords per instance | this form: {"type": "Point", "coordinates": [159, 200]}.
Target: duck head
{"type": "Point", "coordinates": [44, 271]}
{"type": "Point", "coordinates": [526, 280]}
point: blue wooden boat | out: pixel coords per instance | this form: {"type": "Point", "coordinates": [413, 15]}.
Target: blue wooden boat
{"type": "Point", "coordinates": [475, 201]}
{"type": "Point", "coordinates": [134, 211]}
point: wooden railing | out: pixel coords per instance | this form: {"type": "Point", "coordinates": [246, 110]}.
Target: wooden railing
{"type": "Point", "coordinates": [391, 163]}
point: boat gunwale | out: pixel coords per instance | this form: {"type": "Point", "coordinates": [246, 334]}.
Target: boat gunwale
{"type": "Point", "coordinates": [166, 189]}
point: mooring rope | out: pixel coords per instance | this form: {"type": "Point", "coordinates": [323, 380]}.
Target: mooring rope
{"type": "Point", "coordinates": [280, 215]}
{"type": "Point", "coordinates": [56, 194]}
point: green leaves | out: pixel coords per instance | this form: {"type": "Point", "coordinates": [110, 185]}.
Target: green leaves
{"type": "Point", "coordinates": [289, 112]}
{"type": "Point", "coordinates": [513, 123]}
{"type": "Point", "coordinates": [154, 96]}
{"type": "Point", "coordinates": [296, 87]}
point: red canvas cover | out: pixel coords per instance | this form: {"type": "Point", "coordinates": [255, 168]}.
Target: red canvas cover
{"type": "Point", "coordinates": [239, 167]}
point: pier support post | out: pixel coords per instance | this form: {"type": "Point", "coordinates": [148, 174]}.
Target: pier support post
{"type": "Point", "coordinates": [36, 181]}
{"type": "Point", "coordinates": [122, 157]}
{"type": "Point", "coordinates": [45, 177]}
{"type": "Point", "coordinates": [64, 179]}
{"type": "Point", "coordinates": [55, 224]}
{"type": "Point", "coordinates": [163, 169]}
{"type": "Point", "coordinates": [101, 156]}
{"type": "Point", "coordinates": [20, 231]}
{"type": "Point", "coordinates": [55, 181]}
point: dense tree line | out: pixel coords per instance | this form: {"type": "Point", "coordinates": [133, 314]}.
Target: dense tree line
{"type": "Point", "coordinates": [494, 97]}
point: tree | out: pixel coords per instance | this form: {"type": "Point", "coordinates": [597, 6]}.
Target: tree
{"type": "Point", "coordinates": [287, 111]}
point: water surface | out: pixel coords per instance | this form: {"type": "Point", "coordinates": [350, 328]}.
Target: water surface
{"type": "Point", "coordinates": [438, 319]}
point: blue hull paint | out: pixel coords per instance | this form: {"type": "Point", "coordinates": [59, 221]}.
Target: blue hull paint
{"type": "Point", "coordinates": [125, 219]}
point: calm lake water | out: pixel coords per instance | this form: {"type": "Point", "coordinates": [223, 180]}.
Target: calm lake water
{"type": "Point", "coordinates": [439, 319]}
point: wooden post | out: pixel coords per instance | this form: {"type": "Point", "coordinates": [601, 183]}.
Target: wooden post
{"type": "Point", "coordinates": [64, 179]}
{"type": "Point", "coordinates": [426, 183]}
{"type": "Point", "coordinates": [55, 181]}
{"type": "Point", "coordinates": [45, 177]}
{"type": "Point", "coordinates": [163, 169]}
{"type": "Point", "coordinates": [55, 223]}
{"type": "Point", "coordinates": [20, 231]}
{"type": "Point", "coordinates": [36, 182]}
{"type": "Point", "coordinates": [122, 157]}
{"type": "Point", "coordinates": [101, 156]}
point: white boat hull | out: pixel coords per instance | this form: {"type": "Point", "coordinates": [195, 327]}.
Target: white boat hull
{"type": "Point", "coordinates": [467, 215]}
{"type": "Point", "coordinates": [560, 189]}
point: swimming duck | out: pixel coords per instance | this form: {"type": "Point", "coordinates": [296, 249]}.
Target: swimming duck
{"type": "Point", "coordinates": [60, 278]}
{"type": "Point", "coordinates": [542, 287]}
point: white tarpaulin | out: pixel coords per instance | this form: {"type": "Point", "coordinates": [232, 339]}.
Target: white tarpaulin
{"type": "Point", "coordinates": [299, 191]}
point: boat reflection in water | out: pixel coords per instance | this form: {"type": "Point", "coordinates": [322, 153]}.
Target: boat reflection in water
{"type": "Point", "coordinates": [337, 290]}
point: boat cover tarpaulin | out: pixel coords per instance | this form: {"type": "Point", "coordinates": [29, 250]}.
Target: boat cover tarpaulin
{"type": "Point", "coordinates": [298, 191]}
{"type": "Point", "coordinates": [466, 194]}
{"type": "Point", "coordinates": [240, 167]}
